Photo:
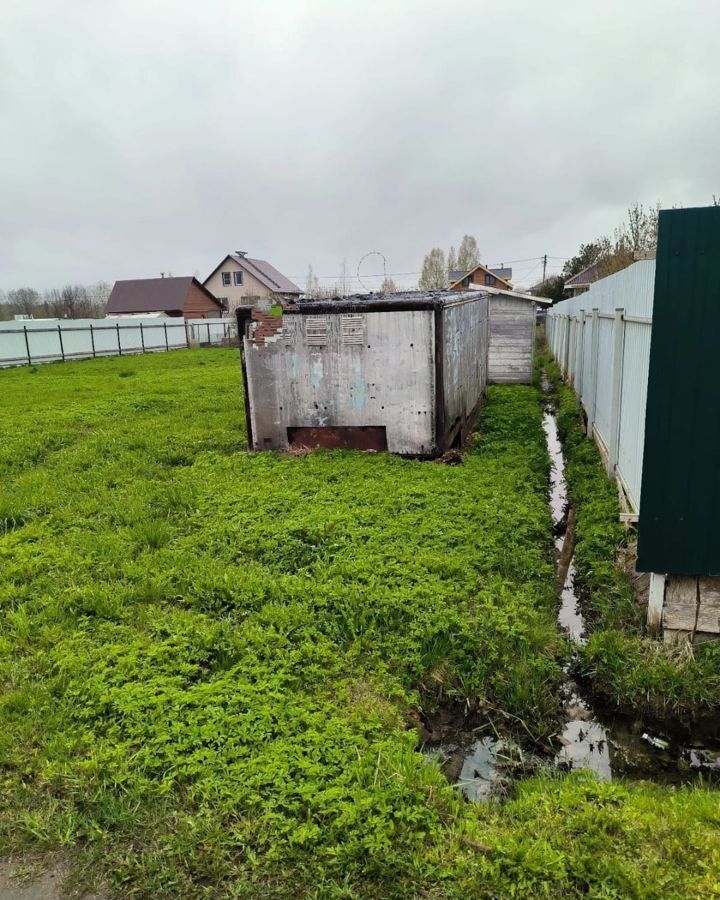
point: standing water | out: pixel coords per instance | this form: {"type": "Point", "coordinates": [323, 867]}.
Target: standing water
{"type": "Point", "coordinates": [607, 743]}
{"type": "Point", "coordinates": [584, 740]}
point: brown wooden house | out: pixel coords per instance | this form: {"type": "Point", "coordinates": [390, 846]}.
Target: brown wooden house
{"type": "Point", "coordinates": [164, 296]}
{"type": "Point", "coordinates": [481, 276]}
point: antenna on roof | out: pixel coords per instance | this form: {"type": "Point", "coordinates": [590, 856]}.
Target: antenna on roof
{"type": "Point", "coordinates": [162, 274]}
{"type": "Point", "coordinates": [241, 253]}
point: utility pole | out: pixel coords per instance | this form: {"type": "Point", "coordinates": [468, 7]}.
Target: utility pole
{"type": "Point", "coordinates": [544, 267]}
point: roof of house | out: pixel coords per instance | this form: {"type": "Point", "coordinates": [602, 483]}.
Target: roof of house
{"type": "Point", "coordinates": [501, 274]}
{"type": "Point", "coordinates": [261, 269]}
{"type": "Point", "coordinates": [458, 274]}
{"type": "Point", "coordinates": [153, 294]}
{"type": "Point", "coordinates": [588, 275]}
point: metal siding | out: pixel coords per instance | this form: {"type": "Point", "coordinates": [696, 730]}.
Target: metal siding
{"type": "Point", "coordinates": [587, 363]}
{"type": "Point", "coordinates": [603, 387]}
{"type": "Point", "coordinates": [633, 396]}
{"type": "Point", "coordinates": [681, 477]}
{"type": "Point", "coordinates": [465, 338]}
{"type": "Point", "coordinates": [630, 290]}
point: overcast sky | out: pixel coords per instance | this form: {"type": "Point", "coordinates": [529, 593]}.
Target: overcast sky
{"type": "Point", "coordinates": [145, 136]}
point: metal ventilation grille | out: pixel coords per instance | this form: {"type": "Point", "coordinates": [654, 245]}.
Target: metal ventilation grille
{"type": "Point", "coordinates": [316, 330]}
{"type": "Point", "coordinates": [353, 329]}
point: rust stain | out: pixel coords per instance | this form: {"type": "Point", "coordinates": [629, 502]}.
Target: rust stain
{"type": "Point", "coordinates": [340, 437]}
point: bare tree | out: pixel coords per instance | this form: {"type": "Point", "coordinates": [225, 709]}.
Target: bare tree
{"type": "Point", "coordinates": [434, 272]}
{"type": "Point", "coordinates": [468, 255]}
{"type": "Point", "coordinates": [345, 283]}
{"type": "Point", "coordinates": [452, 262]}
{"type": "Point", "coordinates": [24, 301]}
{"type": "Point", "coordinates": [312, 282]}
{"type": "Point", "coordinates": [99, 295]}
{"type": "Point", "coordinates": [640, 229]}
{"type": "Point", "coordinates": [388, 286]}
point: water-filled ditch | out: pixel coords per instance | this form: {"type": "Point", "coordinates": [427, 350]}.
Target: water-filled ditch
{"type": "Point", "coordinates": [483, 763]}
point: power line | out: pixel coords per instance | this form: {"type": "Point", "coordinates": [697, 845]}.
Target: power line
{"type": "Point", "coordinates": [337, 276]}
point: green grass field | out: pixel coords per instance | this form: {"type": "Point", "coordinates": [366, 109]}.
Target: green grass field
{"type": "Point", "coordinates": [211, 661]}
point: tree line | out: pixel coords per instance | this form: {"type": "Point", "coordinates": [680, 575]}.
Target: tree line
{"type": "Point", "coordinates": [74, 301]}
{"type": "Point", "coordinates": [637, 233]}
{"type": "Point", "coordinates": [437, 269]}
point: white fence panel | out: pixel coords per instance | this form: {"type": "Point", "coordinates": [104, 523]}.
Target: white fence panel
{"type": "Point", "coordinates": [603, 391]}
{"type": "Point", "coordinates": [46, 340]}
{"type": "Point", "coordinates": [633, 397]}
{"type": "Point", "coordinates": [609, 368]}
{"type": "Point", "coordinates": [212, 331]}
{"type": "Point", "coordinates": [586, 384]}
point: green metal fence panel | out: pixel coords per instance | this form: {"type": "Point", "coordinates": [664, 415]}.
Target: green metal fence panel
{"type": "Point", "coordinates": [678, 528]}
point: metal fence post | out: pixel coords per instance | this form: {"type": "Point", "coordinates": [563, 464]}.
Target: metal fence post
{"type": "Point", "coordinates": [92, 340]}
{"type": "Point", "coordinates": [142, 337]}
{"type": "Point", "coordinates": [62, 348]}
{"type": "Point", "coordinates": [187, 339]}
{"type": "Point", "coordinates": [117, 326]}
{"type": "Point", "coordinates": [208, 331]}
{"type": "Point", "coordinates": [27, 345]}
{"type": "Point", "coordinates": [166, 340]}
{"type": "Point", "coordinates": [616, 389]}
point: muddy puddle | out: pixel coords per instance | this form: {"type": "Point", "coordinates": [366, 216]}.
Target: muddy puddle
{"type": "Point", "coordinates": [611, 745]}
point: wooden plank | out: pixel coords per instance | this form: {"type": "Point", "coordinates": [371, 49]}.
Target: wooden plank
{"type": "Point", "coordinates": [708, 618]}
{"type": "Point", "coordinates": [680, 610]}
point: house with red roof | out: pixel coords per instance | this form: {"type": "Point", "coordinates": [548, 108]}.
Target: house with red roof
{"type": "Point", "coordinates": [163, 297]}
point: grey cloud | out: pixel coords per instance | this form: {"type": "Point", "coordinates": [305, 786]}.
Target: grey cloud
{"type": "Point", "coordinates": [148, 136]}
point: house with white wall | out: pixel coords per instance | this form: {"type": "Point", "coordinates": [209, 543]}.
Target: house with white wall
{"type": "Point", "coordinates": [239, 280]}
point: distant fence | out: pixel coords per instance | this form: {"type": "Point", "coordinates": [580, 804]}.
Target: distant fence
{"type": "Point", "coordinates": [46, 340]}
{"type": "Point", "coordinates": [601, 341]}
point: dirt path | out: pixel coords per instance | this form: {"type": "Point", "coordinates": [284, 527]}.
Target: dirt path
{"type": "Point", "coordinates": [24, 879]}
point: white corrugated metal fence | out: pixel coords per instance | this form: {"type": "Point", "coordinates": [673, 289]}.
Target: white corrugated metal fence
{"type": "Point", "coordinates": [601, 341]}
{"type": "Point", "coordinates": [45, 340]}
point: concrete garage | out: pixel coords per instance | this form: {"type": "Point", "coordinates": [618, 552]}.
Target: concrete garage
{"type": "Point", "coordinates": [403, 372]}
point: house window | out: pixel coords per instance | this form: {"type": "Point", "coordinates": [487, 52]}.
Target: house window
{"type": "Point", "coordinates": [489, 280]}
{"type": "Point", "coordinates": [237, 278]}
{"type": "Point", "coordinates": [226, 279]}
{"type": "Point", "coordinates": [466, 281]}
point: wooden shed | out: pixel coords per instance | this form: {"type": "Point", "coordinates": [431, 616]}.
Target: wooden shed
{"type": "Point", "coordinates": [399, 372]}
{"type": "Point", "coordinates": [512, 337]}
